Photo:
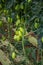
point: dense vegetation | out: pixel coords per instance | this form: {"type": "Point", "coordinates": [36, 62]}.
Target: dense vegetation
{"type": "Point", "coordinates": [21, 32]}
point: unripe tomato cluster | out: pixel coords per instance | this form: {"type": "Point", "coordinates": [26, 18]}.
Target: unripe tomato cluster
{"type": "Point", "coordinates": [18, 34]}
{"type": "Point", "coordinates": [19, 21]}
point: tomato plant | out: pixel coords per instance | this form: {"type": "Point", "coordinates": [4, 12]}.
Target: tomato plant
{"type": "Point", "coordinates": [21, 32]}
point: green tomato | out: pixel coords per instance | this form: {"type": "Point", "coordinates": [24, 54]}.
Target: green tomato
{"type": "Point", "coordinates": [17, 7]}
{"type": "Point", "coordinates": [42, 39]}
{"type": "Point", "coordinates": [36, 25]}
{"type": "Point", "coordinates": [17, 22]}
{"type": "Point", "coordinates": [13, 55]}
{"type": "Point", "coordinates": [9, 20]}
{"type": "Point", "coordinates": [17, 16]}
{"type": "Point", "coordinates": [1, 23]}
{"type": "Point", "coordinates": [21, 29]}
{"type": "Point", "coordinates": [4, 10]}
{"type": "Point", "coordinates": [18, 33]}
{"type": "Point", "coordinates": [16, 37]}
{"type": "Point", "coordinates": [29, 1]}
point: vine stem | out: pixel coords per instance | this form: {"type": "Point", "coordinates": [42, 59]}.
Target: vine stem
{"type": "Point", "coordinates": [23, 44]}
{"type": "Point", "coordinates": [9, 31]}
{"type": "Point", "coordinates": [41, 57]}
{"type": "Point", "coordinates": [23, 35]}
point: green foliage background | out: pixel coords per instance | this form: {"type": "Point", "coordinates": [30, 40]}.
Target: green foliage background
{"type": "Point", "coordinates": [27, 14]}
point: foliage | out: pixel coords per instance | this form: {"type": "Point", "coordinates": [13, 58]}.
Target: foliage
{"type": "Point", "coordinates": [18, 20]}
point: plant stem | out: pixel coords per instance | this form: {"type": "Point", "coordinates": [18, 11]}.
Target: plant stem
{"type": "Point", "coordinates": [23, 44]}
{"type": "Point", "coordinates": [41, 57]}
{"type": "Point", "coordinates": [9, 32]}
